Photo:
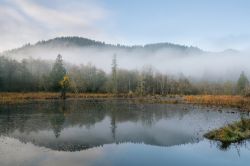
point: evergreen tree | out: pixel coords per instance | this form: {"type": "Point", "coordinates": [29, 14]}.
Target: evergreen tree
{"type": "Point", "coordinates": [114, 74]}
{"type": "Point", "coordinates": [1, 75]}
{"type": "Point", "coordinates": [57, 74]}
{"type": "Point", "coordinates": [242, 83]}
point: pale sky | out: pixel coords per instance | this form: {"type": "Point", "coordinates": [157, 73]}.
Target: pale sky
{"type": "Point", "coordinates": [209, 24]}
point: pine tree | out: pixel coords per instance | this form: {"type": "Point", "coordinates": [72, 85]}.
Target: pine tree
{"type": "Point", "coordinates": [57, 74]}
{"type": "Point", "coordinates": [1, 74]}
{"type": "Point", "coordinates": [114, 74]}
{"type": "Point", "coordinates": [242, 83]}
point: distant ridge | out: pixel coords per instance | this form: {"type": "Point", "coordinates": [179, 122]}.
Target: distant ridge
{"type": "Point", "coordinates": [68, 42]}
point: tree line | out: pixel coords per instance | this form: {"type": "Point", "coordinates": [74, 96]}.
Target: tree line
{"type": "Point", "coordinates": [33, 75]}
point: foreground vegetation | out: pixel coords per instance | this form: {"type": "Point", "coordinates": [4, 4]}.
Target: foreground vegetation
{"type": "Point", "coordinates": [235, 132]}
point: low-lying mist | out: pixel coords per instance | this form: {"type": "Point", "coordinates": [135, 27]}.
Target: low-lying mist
{"type": "Point", "coordinates": [198, 65]}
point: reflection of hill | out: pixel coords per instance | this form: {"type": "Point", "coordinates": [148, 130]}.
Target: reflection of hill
{"type": "Point", "coordinates": [78, 125]}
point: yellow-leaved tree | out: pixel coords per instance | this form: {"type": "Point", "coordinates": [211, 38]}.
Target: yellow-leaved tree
{"type": "Point", "coordinates": [65, 84]}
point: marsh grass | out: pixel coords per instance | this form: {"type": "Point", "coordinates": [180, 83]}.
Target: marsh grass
{"type": "Point", "coordinates": [231, 133]}
{"type": "Point", "coordinates": [19, 97]}
{"type": "Point", "coordinates": [14, 98]}
{"type": "Point", "coordinates": [217, 100]}
{"type": "Point", "coordinates": [220, 100]}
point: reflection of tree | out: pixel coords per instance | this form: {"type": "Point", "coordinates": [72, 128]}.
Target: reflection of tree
{"type": "Point", "coordinates": [113, 120]}
{"type": "Point", "coordinates": [23, 119]}
{"type": "Point", "coordinates": [9, 123]}
{"type": "Point", "coordinates": [57, 120]}
{"type": "Point", "coordinates": [147, 118]}
{"type": "Point", "coordinates": [113, 126]}
{"type": "Point", "coordinates": [225, 146]}
{"type": "Point", "coordinates": [56, 115]}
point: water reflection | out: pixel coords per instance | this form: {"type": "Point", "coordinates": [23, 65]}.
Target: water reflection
{"type": "Point", "coordinates": [225, 146]}
{"type": "Point", "coordinates": [76, 125]}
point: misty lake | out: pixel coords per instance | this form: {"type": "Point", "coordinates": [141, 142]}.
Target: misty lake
{"type": "Point", "coordinates": [115, 132]}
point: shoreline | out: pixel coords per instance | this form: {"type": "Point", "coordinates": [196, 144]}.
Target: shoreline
{"type": "Point", "coordinates": [25, 97]}
{"type": "Point", "coordinates": [231, 101]}
{"type": "Point", "coordinates": [240, 102]}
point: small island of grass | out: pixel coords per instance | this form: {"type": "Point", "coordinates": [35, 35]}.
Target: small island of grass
{"type": "Point", "coordinates": [231, 133]}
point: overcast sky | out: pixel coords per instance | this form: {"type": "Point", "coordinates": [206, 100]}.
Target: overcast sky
{"type": "Point", "coordinates": [209, 24]}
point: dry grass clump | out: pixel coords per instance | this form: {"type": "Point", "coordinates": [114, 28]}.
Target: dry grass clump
{"type": "Point", "coordinates": [219, 100]}
{"type": "Point", "coordinates": [235, 132]}
{"type": "Point", "coordinates": [90, 95]}
{"type": "Point", "coordinates": [12, 97]}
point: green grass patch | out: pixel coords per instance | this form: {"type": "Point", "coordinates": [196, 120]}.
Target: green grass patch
{"type": "Point", "coordinates": [231, 133]}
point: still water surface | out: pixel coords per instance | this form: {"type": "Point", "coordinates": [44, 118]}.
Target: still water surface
{"type": "Point", "coordinates": [101, 132]}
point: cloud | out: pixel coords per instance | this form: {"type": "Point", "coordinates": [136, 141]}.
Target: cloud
{"type": "Point", "coordinates": [24, 21]}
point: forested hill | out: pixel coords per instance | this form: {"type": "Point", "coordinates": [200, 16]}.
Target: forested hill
{"type": "Point", "coordinates": [80, 42]}
{"type": "Point", "coordinates": [164, 57]}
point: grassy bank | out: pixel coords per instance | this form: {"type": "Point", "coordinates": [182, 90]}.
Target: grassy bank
{"type": "Point", "coordinates": [220, 100]}
{"type": "Point", "coordinates": [235, 132]}
{"type": "Point", "coordinates": [216, 100]}
{"type": "Point", "coordinates": [14, 98]}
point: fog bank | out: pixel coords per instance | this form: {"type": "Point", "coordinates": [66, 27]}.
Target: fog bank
{"type": "Point", "coordinates": [225, 65]}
